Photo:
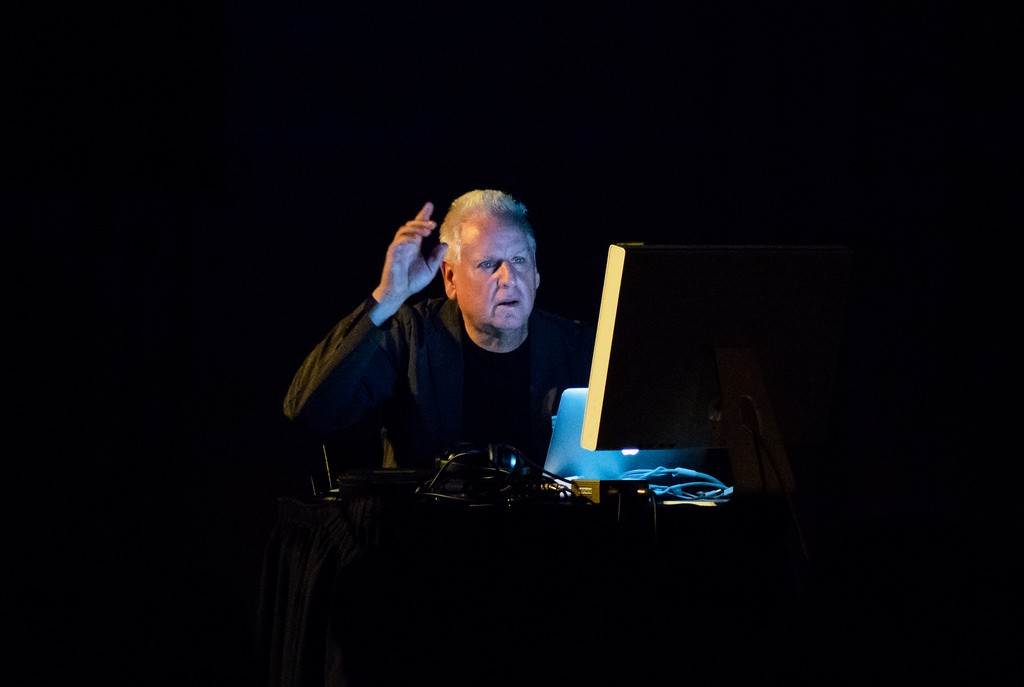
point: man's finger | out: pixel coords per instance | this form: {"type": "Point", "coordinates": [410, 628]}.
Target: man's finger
{"type": "Point", "coordinates": [425, 211]}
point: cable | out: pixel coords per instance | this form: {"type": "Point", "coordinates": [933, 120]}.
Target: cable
{"type": "Point", "coordinates": [714, 489]}
{"type": "Point", "coordinates": [654, 514]}
{"type": "Point", "coordinates": [752, 423]}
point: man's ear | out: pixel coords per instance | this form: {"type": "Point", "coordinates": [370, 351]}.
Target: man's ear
{"type": "Point", "coordinates": [448, 275]}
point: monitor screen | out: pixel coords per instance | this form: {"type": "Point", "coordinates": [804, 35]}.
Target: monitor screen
{"type": "Point", "coordinates": [667, 312]}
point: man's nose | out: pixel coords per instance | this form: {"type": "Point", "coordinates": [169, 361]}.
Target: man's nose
{"type": "Point", "coordinates": [505, 274]}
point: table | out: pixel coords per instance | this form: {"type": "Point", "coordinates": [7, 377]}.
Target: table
{"type": "Point", "coordinates": [369, 590]}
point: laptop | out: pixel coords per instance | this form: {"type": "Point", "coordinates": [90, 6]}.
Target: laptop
{"type": "Point", "coordinates": [665, 469]}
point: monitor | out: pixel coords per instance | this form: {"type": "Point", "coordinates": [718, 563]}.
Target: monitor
{"type": "Point", "coordinates": [694, 342]}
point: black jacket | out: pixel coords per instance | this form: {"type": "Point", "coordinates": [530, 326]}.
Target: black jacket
{"type": "Point", "coordinates": [409, 371]}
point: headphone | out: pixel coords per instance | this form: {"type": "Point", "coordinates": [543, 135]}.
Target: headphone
{"type": "Point", "coordinates": [500, 458]}
{"type": "Point", "coordinates": [473, 471]}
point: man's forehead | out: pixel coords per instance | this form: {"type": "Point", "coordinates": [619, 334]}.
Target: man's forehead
{"type": "Point", "coordinates": [493, 234]}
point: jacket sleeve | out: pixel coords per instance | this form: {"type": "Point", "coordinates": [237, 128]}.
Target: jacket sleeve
{"type": "Point", "coordinates": [348, 373]}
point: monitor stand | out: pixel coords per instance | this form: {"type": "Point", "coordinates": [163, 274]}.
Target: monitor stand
{"type": "Point", "coordinates": [760, 466]}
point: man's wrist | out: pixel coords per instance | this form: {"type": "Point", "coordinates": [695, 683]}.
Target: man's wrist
{"type": "Point", "coordinates": [381, 307]}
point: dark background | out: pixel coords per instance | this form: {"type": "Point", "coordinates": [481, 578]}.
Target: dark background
{"type": "Point", "coordinates": [224, 182]}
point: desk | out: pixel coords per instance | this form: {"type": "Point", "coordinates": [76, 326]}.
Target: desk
{"type": "Point", "coordinates": [382, 591]}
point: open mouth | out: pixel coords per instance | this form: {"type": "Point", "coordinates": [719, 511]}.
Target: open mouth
{"type": "Point", "coordinates": [507, 304]}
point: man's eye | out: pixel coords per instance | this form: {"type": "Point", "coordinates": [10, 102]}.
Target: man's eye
{"type": "Point", "coordinates": [486, 264]}
{"type": "Point", "coordinates": [518, 260]}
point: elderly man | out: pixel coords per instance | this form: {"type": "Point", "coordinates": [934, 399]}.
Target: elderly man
{"type": "Point", "coordinates": [480, 367]}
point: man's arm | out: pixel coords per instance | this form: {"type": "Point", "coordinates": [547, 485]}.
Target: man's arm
{"type": "Point", "coordinates": [342, 375]}
{"type": "Point", "coordinates": [347, 372]}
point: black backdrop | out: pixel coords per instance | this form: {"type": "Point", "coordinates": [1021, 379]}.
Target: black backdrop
{"type": "Point", "coordinates": [234, 175]}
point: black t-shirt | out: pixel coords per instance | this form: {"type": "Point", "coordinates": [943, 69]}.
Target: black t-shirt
{"type": "Point", "coordinates": [496, 396]}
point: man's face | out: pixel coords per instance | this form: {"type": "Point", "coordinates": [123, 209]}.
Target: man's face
{"type": "Point", "coordinates": [495, 281]}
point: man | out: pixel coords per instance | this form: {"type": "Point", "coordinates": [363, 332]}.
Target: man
{"type": "Point", "coordinates": [480, 366]}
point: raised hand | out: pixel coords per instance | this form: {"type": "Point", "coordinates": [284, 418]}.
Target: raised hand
{"type": "Point", "coordinates": [406, 271]}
